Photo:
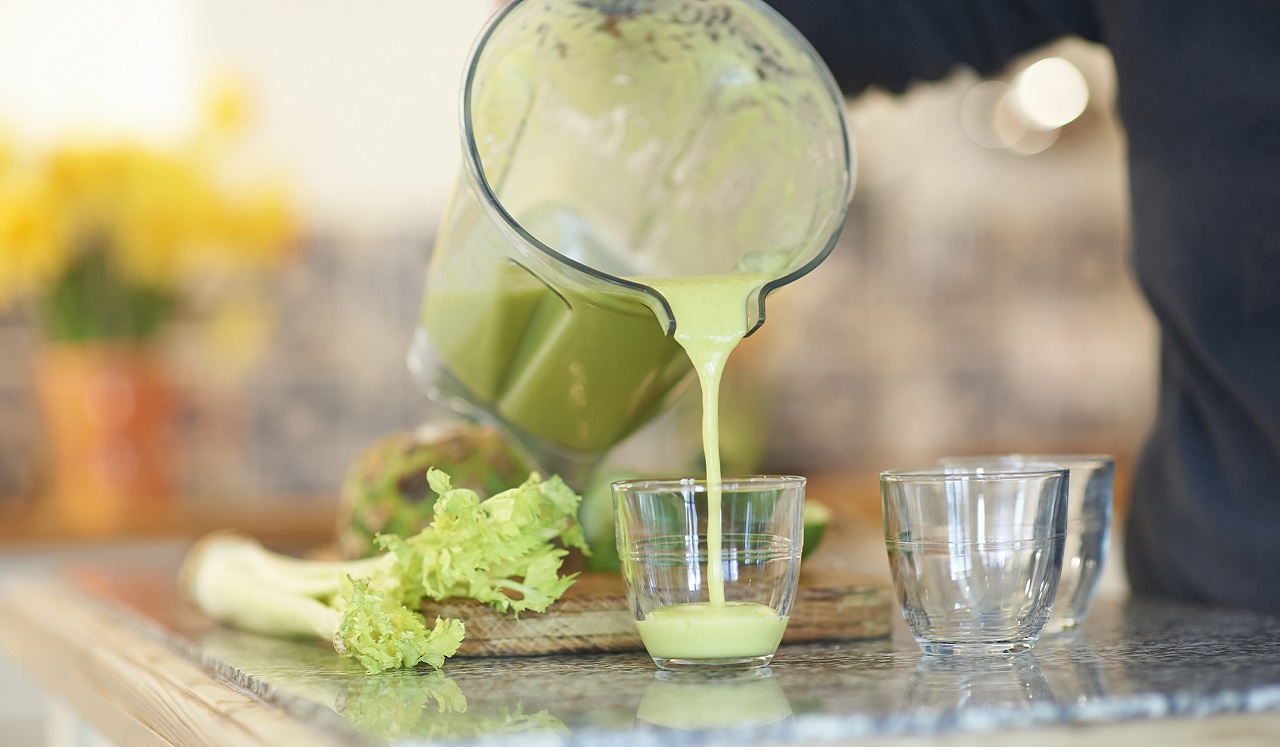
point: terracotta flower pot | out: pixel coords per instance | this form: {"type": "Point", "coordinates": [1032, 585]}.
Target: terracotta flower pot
{"type": "Point", "coordinates": [109, 411]}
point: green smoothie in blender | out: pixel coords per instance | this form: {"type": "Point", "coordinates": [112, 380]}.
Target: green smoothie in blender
{"type": "Point", "coordinates": [579, 372]}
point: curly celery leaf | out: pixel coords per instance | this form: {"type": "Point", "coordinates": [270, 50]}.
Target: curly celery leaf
{"type": "Point", "coordinates": [498, 551]}
{"type": "Point", "coordinates": [381, 634]}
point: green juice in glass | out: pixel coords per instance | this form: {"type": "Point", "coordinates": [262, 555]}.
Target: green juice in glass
{"type": "Point", "coordinates": [732, 630]}
{"type": "Point", "coordinates": [710, 314]}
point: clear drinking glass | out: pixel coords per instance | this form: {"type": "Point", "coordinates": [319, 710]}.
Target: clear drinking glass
{"type": "Point", "coordinates": [975, 555]}
{"type": "Point", "coordinates": [1089, 507]}
{"type": "Point", "coordinates": [692, 611]}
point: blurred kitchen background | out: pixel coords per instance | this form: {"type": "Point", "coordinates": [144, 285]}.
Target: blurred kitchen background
{"type": "Point", "coordinates": [981, 299]}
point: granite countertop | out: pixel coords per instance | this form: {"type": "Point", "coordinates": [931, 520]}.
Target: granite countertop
{"type": "Point", "coordinates": [1137, 659]}
{"type": "Point", "coordinates": [118, 639]}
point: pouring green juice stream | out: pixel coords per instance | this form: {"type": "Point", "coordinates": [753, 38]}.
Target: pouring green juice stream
{"type": "Point", "coordinates": [710, 322]}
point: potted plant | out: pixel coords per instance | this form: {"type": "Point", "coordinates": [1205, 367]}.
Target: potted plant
{"type": "Point", "coordinates": [108, 243]}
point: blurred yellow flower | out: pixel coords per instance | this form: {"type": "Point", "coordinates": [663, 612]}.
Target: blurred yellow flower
{"type": "Point", "coordinates": [31, 253]}
{"type": "Point", "coordinates": [131, 228]}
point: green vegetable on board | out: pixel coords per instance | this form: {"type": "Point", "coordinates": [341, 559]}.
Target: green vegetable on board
{"type": "Point", "coordinates": [385, 490]}
{"type": "Point", "coordinates": [501, 552]}
{"type": "Point", "coordinates": [816, 518]}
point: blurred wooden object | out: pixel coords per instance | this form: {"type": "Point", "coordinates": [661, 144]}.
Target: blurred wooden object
{"type": "Point", "coordinates": [288, 521]}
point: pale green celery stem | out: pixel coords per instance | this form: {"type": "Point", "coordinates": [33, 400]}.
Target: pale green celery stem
{"type": "Point", "coordinates": [237, 581]}
{"type": "Point", "coordinates": [312, 578]}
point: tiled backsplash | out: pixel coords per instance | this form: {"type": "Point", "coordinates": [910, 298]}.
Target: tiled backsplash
{"type": "Point", "coordinates": [979, 300]}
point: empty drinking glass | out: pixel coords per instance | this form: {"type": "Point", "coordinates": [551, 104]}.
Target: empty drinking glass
{"type": "Point", "coordinates": [1089, 505]}
{"type": "Point", "coordinates": [975, 555]}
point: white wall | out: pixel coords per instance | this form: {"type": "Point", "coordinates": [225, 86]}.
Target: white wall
{"type": "Point", "coordinates": [357, 99]}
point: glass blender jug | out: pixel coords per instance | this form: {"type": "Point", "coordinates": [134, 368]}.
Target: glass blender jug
{"type": "Point", "coordinates": [606, 142]}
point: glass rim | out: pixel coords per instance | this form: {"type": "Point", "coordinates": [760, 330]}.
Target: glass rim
{"type": "Point", "coordinates": [949, 474]}
{"type": "Point", "coordinates": [699, 484]}
{"type": "Point", "coordinates": [1030, 457]}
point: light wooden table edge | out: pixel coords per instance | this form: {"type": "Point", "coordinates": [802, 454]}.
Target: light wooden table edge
{"type": "Point", "coordinates": [132, 689]}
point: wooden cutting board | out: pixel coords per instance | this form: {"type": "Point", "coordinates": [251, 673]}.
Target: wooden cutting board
{"type": "Point", "coordinates": [593, 616]}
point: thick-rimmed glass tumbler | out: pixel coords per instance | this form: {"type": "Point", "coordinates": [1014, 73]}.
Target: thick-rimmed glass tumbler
{"type": "Point", "coordinates": [702, 602]}
{"type": "Point", "coordinates": [975, 555]}
{"type": "Point", "coordinates": [1089, 508]}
